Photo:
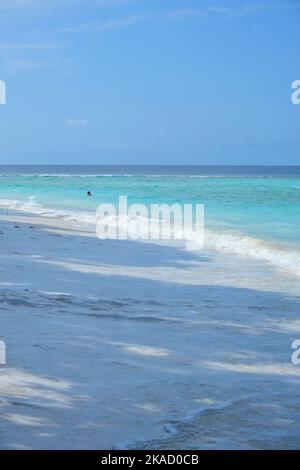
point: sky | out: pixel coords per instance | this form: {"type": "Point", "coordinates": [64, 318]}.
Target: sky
{"type": "Point", "coordinates": [149, 82]}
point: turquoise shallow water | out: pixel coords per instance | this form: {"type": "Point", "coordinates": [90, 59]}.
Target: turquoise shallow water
{"type": "Point", "coordinates": [263, 207]}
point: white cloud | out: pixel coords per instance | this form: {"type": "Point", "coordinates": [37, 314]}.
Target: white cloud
{"type": "Point", "coordinates": [27, 65]}
{"type": "Point", "coordinates": [117, 23]}
{"type": "Point", "coordinates": [26, 56]}
{"type": "Point", "coordinates": [217, 10]}
{"type": "Point", "coordinates": [15, 4]}
{"type": "Point", "coordinates": [26, 46]}
{"type": "Point", "coordinates": [24, 4]}
{"type": "Point", "coordinates": [185, 12]}
{"type": "Point", "coordinates": [179, 14]}
{"type": "Point", "coordinates": [76, 122]}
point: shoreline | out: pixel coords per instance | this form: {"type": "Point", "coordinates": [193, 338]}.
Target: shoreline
{"type": "Point", "coordinates": [118, 344]}
{"type": "Point", "coordinates": [283, 257]}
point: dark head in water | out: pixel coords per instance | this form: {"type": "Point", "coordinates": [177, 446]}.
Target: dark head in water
{"type": "Point", "coordinates": [89, 193]}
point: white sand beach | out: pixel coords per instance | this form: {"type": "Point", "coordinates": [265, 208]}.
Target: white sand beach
{"type": "Point", "coordinates": [119, 344]}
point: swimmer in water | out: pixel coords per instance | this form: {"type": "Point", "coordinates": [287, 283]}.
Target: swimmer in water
{"type": "Point", "coordinates": [89, 193]}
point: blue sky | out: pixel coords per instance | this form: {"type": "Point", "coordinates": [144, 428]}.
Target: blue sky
{"type": "Point", "coordinates": [149, 82]}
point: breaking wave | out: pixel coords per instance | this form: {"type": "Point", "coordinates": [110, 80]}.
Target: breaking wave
{"type": "Point", "coordinates": [278, 256]}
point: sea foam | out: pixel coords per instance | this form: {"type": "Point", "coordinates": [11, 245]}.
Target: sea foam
{"type": "Point", "coordinates": [280, 257]}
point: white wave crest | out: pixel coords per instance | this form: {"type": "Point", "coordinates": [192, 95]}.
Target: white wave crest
{"type": "Point", "coordinates": [286, 259]}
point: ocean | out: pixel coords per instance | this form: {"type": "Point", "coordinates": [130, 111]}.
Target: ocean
{"type": "Point", "coordinates": [251, 210]}
{"type": "Point", "coordinates": [126, 345]}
